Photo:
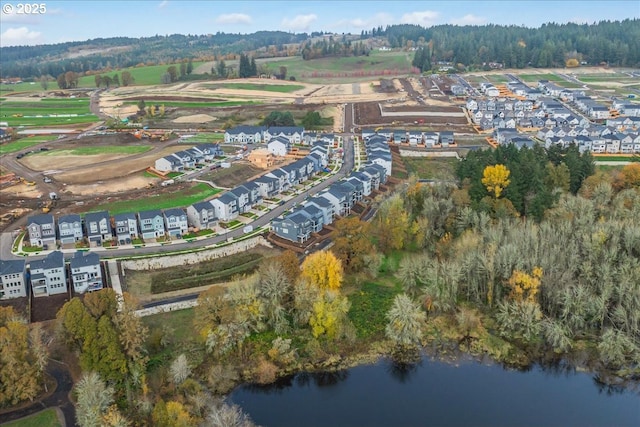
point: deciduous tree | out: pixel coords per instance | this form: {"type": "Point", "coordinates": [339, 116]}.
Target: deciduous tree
{"type": "Point", "coordinates": [323, 270]}
{"type": "Point", "coordinates": [406, 322]}
{"type": "Point", "coordinates": [93, 398]}
{"type": "Point", "coordinates": [496, 179]}
{"type": "Point", "coordinates": [352, 242]}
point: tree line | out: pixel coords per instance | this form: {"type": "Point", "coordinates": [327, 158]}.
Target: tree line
{"type": "Point", "coordinates": [332, 48]}
{"type": "Point", "coordinates": [551, 45]}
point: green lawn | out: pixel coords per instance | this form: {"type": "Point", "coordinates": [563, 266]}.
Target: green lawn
{"type": "Point", "coordinates": [616, 158]}
{"type": "Point", "coordinates": [182, 199]}
{"type": "Point", "coordinates": [90, 151]}
{"type": "Point", "coordinates": [146, 75]}
{"type": "Point", "coordinates": [46, 418]}
{"type": "Point", "coordinates": [537, 77]}
{"type": "Point", "coordinates": [23, 143]}
{"type": "Point", "coordinates": [369, 306]}
{"type": "Point", "coordinates": [431, 168]}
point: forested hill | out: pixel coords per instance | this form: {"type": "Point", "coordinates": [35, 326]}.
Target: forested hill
{"type": "Point", "coordinates": [120, 52]}
{"type": "Point", "coordinates": [551, 45]}
{"type": "Point", "coordinates": [614, 43]}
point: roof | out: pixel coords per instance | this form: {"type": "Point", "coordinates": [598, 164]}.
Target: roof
{"type": "Point", "coordinates": [172, 159]}
{"type": "Point", "coordinates": [40, 219]}
{"type": "Point", "coordinates": [11, 266]}
{"type": "Point", "coordinates": [280, 139]}
{"type": "Point", "coordinates": [84, 259]}
{"type": "Point", "coordinates": [54, 259]}
{"type": "Point", "coordinates": [174, 212]}
{"type": "Point", "coordinates": [265, 179]}
{"type": "Point", "coordinates": [149, 214]}
{"type": "Point", "coordinates": [69, 218]}
{"type": "Point", "coordinates": [312, 210]}
{"type": "Point", "coordinates": [96, 216]}
{"type": "Point", "coordinates": [245, 129]}
{"type": "Point", "coordinates": [287, 130]}
{"type": "Point", "coordinates": [202, 206]}
{"type": "Point", "coordinates": [250, 185]}
{"type": "Point", "coordinates": [227, 198]}
{"type": "Point", "coordinates": [124, 216]}
{"type": "Point", "coordinates": [320, 201]}
{"type": "Point", "coordinates": [278, 173]}
{"type": "Point", "coordinates": [299, 217]}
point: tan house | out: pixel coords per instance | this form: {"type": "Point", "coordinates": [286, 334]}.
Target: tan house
{"type": "Point", "coordinates": [261, 158]}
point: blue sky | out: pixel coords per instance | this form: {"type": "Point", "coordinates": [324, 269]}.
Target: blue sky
{"type": "Point", "coordinates": [81, 20]}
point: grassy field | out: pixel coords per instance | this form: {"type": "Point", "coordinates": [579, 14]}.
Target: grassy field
{"type": "Point", "coordinates": [203, 137]}
{"type": "Point", "coordinates": [182, 199]}
{"type": "Point", "coordinates": [281, 88]}
{"type": "Point", "coordinates": [92, 151]}
{"type": "Point", "coordinates": [23, 143]}
{"type": "Point", "coordinates": [375, 62]}
{"type": "Point", "coordinates": [614, 158]}
{"type": "Point", "coordinates": [46, 112]}
{"type": "Point", "coordinates": [369, 306]}
{"type": "Point", "coordinates": [46, 418]}
{"type": "Point", "coordinates": [431, 168]}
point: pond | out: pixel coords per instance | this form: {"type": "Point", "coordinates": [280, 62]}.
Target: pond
{"type": "Point", "coordinates": [440, 394]}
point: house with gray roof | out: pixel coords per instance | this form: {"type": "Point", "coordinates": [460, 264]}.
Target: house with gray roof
{"type": "Point", "coordinates": [126, 228]}
{"type": "Point", "coordinates": [244, 135]}
{"type": "Point", "coordinates": [13, 281]}
{"type": "Point", "coordinates": [185, 158]}
{"type": "Point", "coordinates": [255, 196]}
{"type": "Point", "coordinates": [175, 221]}
{"type": "Point", "coordinates": [296, 227]}
{"type": "Point", "coordinates": [70, 229]}
{"type": "Point", "coordinates": [169, 164]}
{"type": "Point", "coordinates": [202, 216]}
{"type": "Point", "coordinates": [374, 175]}
{"type": "Point", "coordinates": [315, 215]}
{"type": "Point", "coordinates": [324, 205]}
{"type": "Point", "coordinates": [269, 186]}
{"type": "Point", "coordinates": [42, 230]}
{"type": "Point", "coordinates": [279, 146]}
{"type": "Point", "coordinates": [86, 272]}
{"type": "Point", "coordinates": [151, 224]}
{"type": "Point", "coordinates": [282, 177]}
{"type": "Point", "coordinates": [209, 151]}
{"type": "Point", "coordinates": [48, 275]}
{"type": "Point", "coordinates": [97, 227]}
{"type": "Point", "coordinates": [226, 206]}
{"type": "Point", "coordinates": [242, 195]}
{"type": "Point", "coordinates": [294, 134]}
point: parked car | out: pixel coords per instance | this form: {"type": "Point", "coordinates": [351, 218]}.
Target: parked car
{"type": "Point", "coordinates": [19, 156]}
{"type": "Point", "coordinates": [44, 149]}
{"type": "Point", "coordinates": [47, 179]}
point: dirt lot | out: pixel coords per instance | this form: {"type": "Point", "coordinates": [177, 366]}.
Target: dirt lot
{"type": "Point", "coordinates": [439, 118]}
{"type": "Point", "coordinates": [237, 174]}
{"type": "Point", "coordinates": [117, 185]}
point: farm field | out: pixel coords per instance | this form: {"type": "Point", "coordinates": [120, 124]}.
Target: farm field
{"type": "Point", "coordinates": [27, 142]}
{"type": "Point", "coordinates": [46, 112]}
{"type": "Point", "coordinates": [281, 88]}
{"type": "Point", "coordinates": [178, 199]}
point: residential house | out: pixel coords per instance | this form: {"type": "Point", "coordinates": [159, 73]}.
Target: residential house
{"type": "Point", "coordinates": [296, 227]}
{"type": "Point", "coordinates": [196, 155]}
{"type": "Point", "coordinates": [269, 186]}
{"type": "Point", "coordinates": [13, 281]}
{"type": "Point", "coordinates": [430, 139]}
{"type": "Point", "coordinates": [126, 227]}
{"type": "Point", "coordinates": [374, 175]}
{"type": "Point", "coordinates": [282, 177]}
{"type": "Point", "coordinates": [202, 215]}
{"type": "Point", "coordinates": [294, 134]}
{"type": "Point", "coordinates": [324, 205]}
{"type": "Point", "coordinates": [209, 151]}
{"type": "Point", "coordinates": [399, 136]}
{"type": "Point", "coordinates": [175, 221]}
{"type": "Point", "coordinates": [86, 272]}
{"type": "Point", "coordinates": [42, 230]}
{"type": "Point", "coordinates": [242, 195]}
{"type": "Point", "coordinates": [225, 206]}
{"type": "Point", "coordinates": [446, 138]}
{"type": "Point", "coordinates": [316, 216]}
{"type": "Point", "coordinates": [279, 146]}
{"type": "Point", "coordinates": [98, 227]}
{"type": "Point", "coordinates": [185, 158]}
{"type": "Point", "coordinates": [70, 229]}
{"type": "Point", "coordinates": [255, 195]}
{"type": "Point", "coordinates": [48, 275]}
{"type": "Point", "coordinates": [169, 164]}
{"type": "Point", "coordinates": [358, 186]}
{"type": "Point", "coordinates": [151, 224]}
{"type": "Point", "coordinates": [244, 134]}
{"type": "Point", "coordinates": [365, 179]}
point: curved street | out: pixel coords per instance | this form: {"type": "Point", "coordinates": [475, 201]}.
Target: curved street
{"type": "Point", "coordinates": [6, 239]}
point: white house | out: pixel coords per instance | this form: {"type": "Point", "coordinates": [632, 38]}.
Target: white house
{"type": "Point", "coordinates": [225, 206]}
{"type": "Point", "coordinates": [48, 275]}
{"type": "Point", "coordinates": [12, 279]}
{"type": "Point", "coordinates": [201, 215]}
{"type": "Point", "coordinates": [86, 273]}
{"type": "Point", "coordinates": [294, 134]}
{"type": "Point", "coordinates": [279, 146]}
{"type": "Point", "coordinates": [175, 221]}
{"type": "Point", "coordinates": [42, 230]}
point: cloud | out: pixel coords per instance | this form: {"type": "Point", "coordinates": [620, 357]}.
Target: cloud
{"type": "Point", "coordinates": [163, 3]}
{"type": "Point", "coordinates": [20, 37]}
{"type": "Point", "coordinates": [300, 22]}
{"type": "Point", "coordinates": [425, 18]}
{"type": "Point", "coordinates": [365, 23]}
{"type": "Point", "coordinates": [469, 19]}
{"type": "Point", "coordinates": [234, 18]}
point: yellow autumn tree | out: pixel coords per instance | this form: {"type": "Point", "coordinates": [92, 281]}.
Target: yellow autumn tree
{"type": "Point", "coordinates": [496, 179]}
{"type": "Point", "coordinates": [525, 287]}
{"type": "Point", "coordinates": [323, 270]}
{"type": "Point", "coordinates": [328, 315]}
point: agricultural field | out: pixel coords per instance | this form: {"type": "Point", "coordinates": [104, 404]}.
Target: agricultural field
{"type": "Point", "coordinates": [27, 112]}
{"type": "Point", "coordinates": [27, 142]}
{"type": "Point", "coordinates": [280, 88]}
{"type": "Point", "coordinates": [532, 78]}
{"type": "Point", "coordinates": [431, 168]}
{"type": "Point", "coordinates": [176, 199]}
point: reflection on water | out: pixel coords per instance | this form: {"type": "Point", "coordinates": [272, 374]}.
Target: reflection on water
{"type": "Point", "coordinates": [434, 393]}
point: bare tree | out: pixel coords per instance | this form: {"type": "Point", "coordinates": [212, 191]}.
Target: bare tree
{"type": "Point", "coordinates": [180, 369]}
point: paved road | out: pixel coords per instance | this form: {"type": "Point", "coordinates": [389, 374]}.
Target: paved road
{"type": "Point", "coordinates": [345, 168]}
{"type": "Point", "coordinates": [59, 398]}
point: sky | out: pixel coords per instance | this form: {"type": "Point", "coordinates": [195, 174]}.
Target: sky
{"type": "Point", "coordinates": [63, 21]}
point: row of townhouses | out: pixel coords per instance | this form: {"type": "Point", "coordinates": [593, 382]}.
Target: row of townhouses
{"type": "Point", "coordinates": [100, 227]}
{"type": "Point", "coordinates": [50, 275]}
{"type": "Point", "coordinates": [428, 139]}
{"type": "Point", "coordinates": [337, 199]}
{"type": "Point", "coordinates": [259, 134]}
{"type": "Point", "coordinates": [188, 158]}
{"type": "Point", "coordinates": [244, 197]}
